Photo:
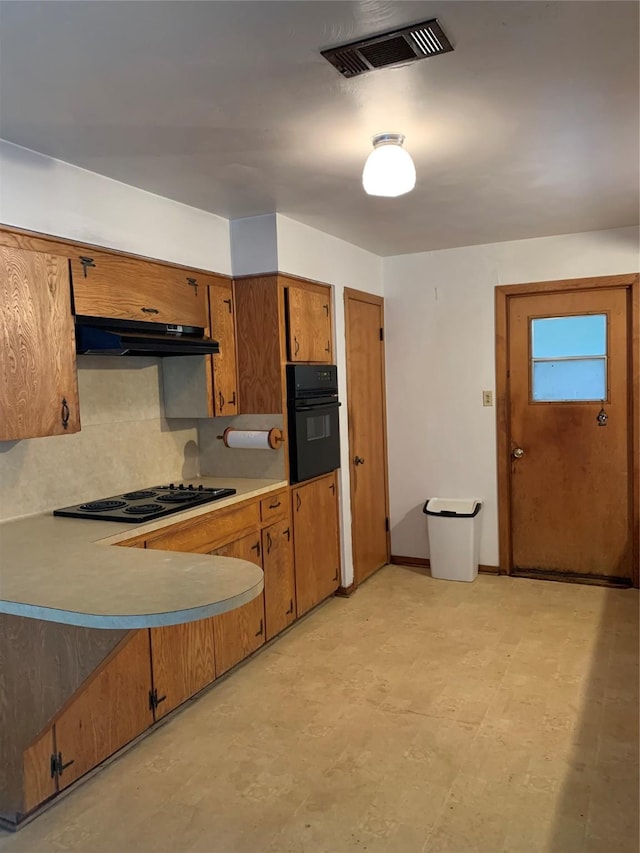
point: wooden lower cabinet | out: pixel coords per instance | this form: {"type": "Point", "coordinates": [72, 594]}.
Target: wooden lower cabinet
{"type": "Point", "coordinates": [279, 577]}
{"type": "Point", "coordinates": [38, 782]}
{"type": "Point", "coordinates": [108, 712]}
{"type": "Point", "coordinates": [182, 663]}
{"type": "Point", "coordinates": [239, 632]}
{"type": "Point", "coordinates": [316, 541]}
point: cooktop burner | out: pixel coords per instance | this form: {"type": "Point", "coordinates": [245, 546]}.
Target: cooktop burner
{"type": "Point", "coordinates": [99, 506]}
{"type": "Point", "coordinates": [136, 506]}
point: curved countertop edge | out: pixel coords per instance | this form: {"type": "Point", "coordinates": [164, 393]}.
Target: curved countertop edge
{"type": "Point", "coordinates": [137, 620]}
{"type": "Point", "coordinates": [155, 618]}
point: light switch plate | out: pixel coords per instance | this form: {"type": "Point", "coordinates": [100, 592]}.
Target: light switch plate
{"type": "Point", "coordinates": [487, 398]}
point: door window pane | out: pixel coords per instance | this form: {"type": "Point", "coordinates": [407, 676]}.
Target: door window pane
{"type": "Point", "coordinates": [574, 337]}
{"type": "Point", "coordinates": [569, 358]}
{"type": "Point", "coordinates": [573, 379]}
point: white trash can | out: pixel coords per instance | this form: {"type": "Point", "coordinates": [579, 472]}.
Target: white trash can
{"type": "Point", "coordinates": [454, 537]}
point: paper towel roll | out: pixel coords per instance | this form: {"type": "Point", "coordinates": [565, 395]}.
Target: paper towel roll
{"type": "Point", "coordinates": [252, 439]}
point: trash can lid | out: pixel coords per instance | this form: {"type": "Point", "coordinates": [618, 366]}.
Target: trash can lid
{"type": "Point", "coordinates": [459, 507]}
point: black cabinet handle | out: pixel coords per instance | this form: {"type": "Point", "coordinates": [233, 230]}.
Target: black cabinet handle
{"type": "Point", "coordinates": [149, 310]}
{"type": "Point", "coordinates": [287, 533]}
{"type": "Point", "coordinates": [335, 577]}
{"type": "Point", "coordinates": [256, 548]}
{"type": "Point", "coordinates": [296, 346]}
{"type": "Point", "coordinates": [275, 505]}
{"type": "Point", "coordinates": [298, 502]}
{"type": "Point", "coordinates": [290, 610]}
{"type": "Point", "coordinates": [333, 488]}
{"type": "Point", "coordinates": [193, 282]}
{"type": "Point", "coordinates": [64, 413]}
{"type": "Point", "coordinates": [220, 401]}
{"type": "Point", "coordinates": [269, 542]}
{"type": "Point", "coordinates": [328, 347]}
{"type": "Point", "coordinates": [260, 631]}
{"type": "Point", "coordinates": [326, 308]}
{"type": "Point", "coordinates": [86, 262]}
{"type": "Point", "coordinates": [57, 767]}
{"type": "Point", "coordinates": [228, 302]}
{"type": "Point", "coordinates": [232, 401]}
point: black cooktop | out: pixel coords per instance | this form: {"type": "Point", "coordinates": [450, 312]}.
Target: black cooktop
{"type": "Point", "coordinates": [146, 504]}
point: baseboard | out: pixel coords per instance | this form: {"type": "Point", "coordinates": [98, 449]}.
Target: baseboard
{"type": "Point", "coordinates": [424, 563]}
{"type": "Point", "coordinates": [562, 577]}
{"type": "Point", "coordinates": [346, 591]}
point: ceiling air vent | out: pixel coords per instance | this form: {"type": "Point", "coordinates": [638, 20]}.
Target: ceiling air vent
{"type": "Point", "coordinates": [396, 47]}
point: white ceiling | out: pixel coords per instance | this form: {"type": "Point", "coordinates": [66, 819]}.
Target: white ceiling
{"type": "Point", "coordinates": [529, 128]}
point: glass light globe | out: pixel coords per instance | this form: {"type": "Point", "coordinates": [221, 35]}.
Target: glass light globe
{"type": "Point", "coordinates": [389, 170]}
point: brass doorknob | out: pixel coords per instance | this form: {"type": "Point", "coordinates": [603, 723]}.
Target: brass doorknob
{"type": "Point", "coordinates": [517, 453]}
{"type": "Point", "coordinates": [358, 460]}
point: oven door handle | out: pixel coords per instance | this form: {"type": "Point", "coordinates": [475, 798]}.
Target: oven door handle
{"type": "Point", "coordinates": [318, 408]}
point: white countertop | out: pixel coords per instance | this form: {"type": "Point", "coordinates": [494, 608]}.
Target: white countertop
{"type": "Point", "coordinates": [66, 570]}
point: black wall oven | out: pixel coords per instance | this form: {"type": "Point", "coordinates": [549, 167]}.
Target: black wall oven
{"type": "Point", "coordinates": [314, 431]}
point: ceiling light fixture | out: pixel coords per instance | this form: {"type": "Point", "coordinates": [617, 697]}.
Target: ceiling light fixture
{"type": "Point", "coordinates": [389, 170]}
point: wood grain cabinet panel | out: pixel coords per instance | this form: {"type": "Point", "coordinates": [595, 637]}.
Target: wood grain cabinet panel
{"type": "Point", "coordinates": [202, 534]}
{"type": "Point", "coordinates": [109, 711]}
{"type": "Point", "coordinates": [239, 632]}
{"type": "Point", "coordinates": [38, 782]}
{"type": "Point", "coordinates": [275, 506]}
{"type": "Point", "coordinates": [126, 288]}
{"type": "Point", "coordinates": [225, 368]}
{"type": "Point", "coordinates": [309, 324]}
{"type": "Point", "coordinates": [316, 541]}
{"type": "Point", "coordinates": [37, 347]}
{"type": "Point", "coordinates": [279, 577]}
{"type": "Point", "coordinates": [182, 661]}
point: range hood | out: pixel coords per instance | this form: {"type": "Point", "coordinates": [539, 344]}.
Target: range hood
{"type": "Point", "coordinates": [103, 336]}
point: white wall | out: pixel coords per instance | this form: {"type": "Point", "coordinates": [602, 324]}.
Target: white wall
{"type": "Point", "coordinates": [440, 356]}
{"type": "Point", "coordinates": [42, 194]}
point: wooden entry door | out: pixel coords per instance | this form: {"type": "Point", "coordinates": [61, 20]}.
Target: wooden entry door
{"type": "Point", "coordinates": [568, 448]}
{"type": "Point", "coordinates": [364, 319]}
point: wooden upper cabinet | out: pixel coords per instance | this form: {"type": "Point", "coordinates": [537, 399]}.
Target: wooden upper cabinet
{"type": "Point", "coordinates": [37, 346]}
{"type": "Point", "coordinates": [316, 541]}
{"type": "Point", "coordinates": [261, 344]}
{"type": "Point", "coordinates": [309, 323]}
{"type": "Point", "coordinates": [125, 288]}
{"type": "Point", "coordinates": [225, 369]}
{"type": "Point", "coordinates": [109, 711]}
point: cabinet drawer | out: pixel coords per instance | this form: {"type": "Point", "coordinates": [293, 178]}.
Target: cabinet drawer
{"type": "Point", "coordinates": [135, 289]}
{"type": "Point", "coordinates": [274, 507]}
{"type": "Point", "coordinates": [201, 535]}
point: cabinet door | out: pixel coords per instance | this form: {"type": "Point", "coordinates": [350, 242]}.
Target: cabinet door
{"type": "Point", "coordinates": [124, 288]}
{"type": "Point", "coordinates": [38, 783]}
{"type": "Point", "coordinates": [110, 710]}
{"type": "Point", "coordinates": [182, 662]}
{"type": "Point", "coordinates": [225, 372]}
{"type": "Point", "coordinates": [279, 577]}
{"type": "Point", "coordinates": [316, 541]}
{"type": "Point", "coordinates": [239, 632]}
{"type": "Point", "coordinates": [309, 324]}
{"type": "Point", "coordinates": [37, 347]}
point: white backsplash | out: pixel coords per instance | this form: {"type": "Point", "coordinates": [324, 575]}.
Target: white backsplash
{"type": "Point", "coordinates": [125, 443]}
{"type": "Point", "coordinates": [220, 461]}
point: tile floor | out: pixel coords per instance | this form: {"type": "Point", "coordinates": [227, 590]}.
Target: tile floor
{"type": "Point", "coordinates": [419, 715]}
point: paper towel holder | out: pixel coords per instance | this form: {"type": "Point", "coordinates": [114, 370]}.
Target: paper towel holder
{"type": "Point", "coordinates": [274, 436]}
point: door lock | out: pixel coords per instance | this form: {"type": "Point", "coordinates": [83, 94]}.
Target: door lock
{"type": "Point", "coordinates": [517, 453]}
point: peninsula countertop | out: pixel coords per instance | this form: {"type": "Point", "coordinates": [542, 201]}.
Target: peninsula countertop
{"type": "Point", "coordinates": [65, 570]}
